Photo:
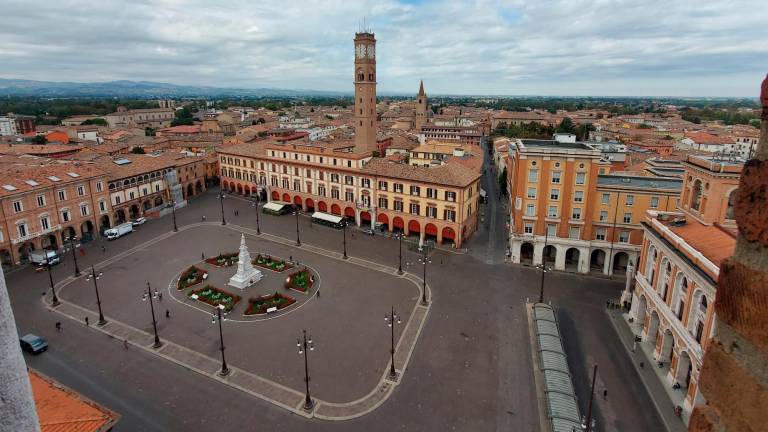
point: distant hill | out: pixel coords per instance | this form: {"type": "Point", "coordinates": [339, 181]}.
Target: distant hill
{"type": "Point", "coordinates": [139, 89]}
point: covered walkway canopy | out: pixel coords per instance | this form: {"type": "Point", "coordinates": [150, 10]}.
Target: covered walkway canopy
{"type": "Point", "coordinates": [327, 217]}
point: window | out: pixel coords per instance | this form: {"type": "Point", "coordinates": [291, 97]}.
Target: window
{"type": "Point", "coordinates": [383, 203]}
{"type": "Point", "coordinates": [528, 228]}
{"type": "Point", "coordinates": [578, 196]}
{"type": "Point", "coordinates": [349, 164]}
{"type": "Point", "coordinates": [334, 177]}
{"type": "Point", "coordinates": [335, 193]}
{"type": "Point", "coordinates": [99, 187]}
{"type": "Point", "coordinates": [349, 180]}
{"type": "Point", "coordinates": [602, 171]}
{"type": "Point", "coordinates": [580, 178]}
{"type": "Point", "coordinates": [600, 234]}
{"type": "Point", "coordinates": [62, 195]}
{"type": "Point", "coordinates": [349, 196]}
{"type": "Point", "coordinates": [554, 194]}
{"type": "Point", "coordinates": [102, 206]}
{"type": "Point", "coordinates": [321, 190]}
{"type": "Point", "coordinates": [627, 217]}
{"type": "Point", "coordinates": [366, 183]}
{"type": "Point", "coordinates": [556, 177]}
{"type": "Point", "coordinates": [630, 200]}
{"type": "Point", "coordinates": [65, 215]}
{"type": "Point", "coordinates": [624, 237]}
{"type": "Point", "coordinates": [603, 216]}
{"type": "Point", "coordinates": [530, 210]}
{"type": "Point", "coordinates": [297, 185]}
{"type": "Point", "coordinates": [22, 228]}
{"type": "Point", "coordinates": [576, 213]}
{"type": "Point", "coordinates": [432, 212]}
{"type": "Point", "coordinates": [84, 210]}
{"type": "Point", "coordinates": [533, 175]}
{"type": "Point", "coordinates": [45, 223]}
{"type": "Point", "coordinates": [398, 205]}
{"type": "Point", "coordinates": [383, 185]}
{"type": "Point", "coordinates": [432, 193]}
{"type": "Point", "coordinates": [450, 196]}
{"type": "Point", "coordinates": [399, 187]}
{"type": "Point", "coordinates": [552, 212]}
{"type": "Point", "coordinates": [80, 191]}
{"type": "Point", "coordinates": [551, 230]}
{"type": "Point", "coordinates": [366, 200]}
{"type": "Point", "coordinates": [574, 232]}
{"type": "Point", "coordinates": [654, 202]}
{"type": "Point", "coordinates": [117, 200]}
{"type": "Point", "coordinates": [17, 206]}
{"type": "Point", "coordinates": [414, 208]}
{"type": "Point", "coordinates": [605, 198]}
{"type": "Point", "coordinates": [415, 190]}
{"type": "Point", "coordinates": [531, 193]}
{"type": "Point", "coordinates": [449, 215]}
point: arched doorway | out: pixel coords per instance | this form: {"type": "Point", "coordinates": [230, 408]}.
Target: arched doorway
{"type": "Point", "coordinates": [120, 216]}
{"type": "Point", "coordinates": [275, 196]}
{"type": "Point", "coordinates": [322, 206]}
{"type": "Point", "coordinates": [667, 344]}
{"type": "Point", "coordinates": [190, 191]}
{"type": "Point", "coordinates": [430, 231]}
{"type": "Point", "coordinates": [286, 198]}
{"type": "Point", "coordinates": [653, 328]}
{"type": "Point", "coordinates": [310, 205]}
{"type": "Point", "coordinates": [597, 261]}
{"type": "Point", "coordinates": [297, 201]}
{"type": "Point", "coordinates": [349, 212]}
{"type": "Point", "coordinates": [526, 253]}
{"type": "Point", "coordinates": [365, 216]}
{"type": "Point", "coordinates": [335, 209]}
{"type": "Point", "coordinates": [224, 185]}
{"type": "Point", "coordinates": [398, 224]}
{"type": "Point", "coordinates": [642, 308]}
{"type": "Point", "coordinates": [414, 227]}
{"type": "Point", "coordinates": [68, 232]}
{"type": "Point", "coordinates": [572, 260]}
{"type": "Point", "coordinates": [86, 230]}
{"type": "Point", "coordinates": [50, 242]}
{"type": "Point", "coordinates": [198, 187]}
{"type": "Point", "coordinates": [683, 369]}
{"type": "Point", "coordinates": [620, 261]}
{"type": "Point", "coordinates": [383, 220]}
{"type": "Point", "coordinates": [104, 223]}
{"type": "Point", "coordinates": [449, 234]}
{"type": "Point", "coordinates": [134, 211]}
{"type": "Point", "coordinates": [5, 258]}
{"type": "Point", "coordinates": [549, 255]}
{"type": "Point", "coordinates": [24, 251]}
{"type": "Point", "coordinates": [158, 201]}
{"type": "Point", "coordinates": [146, 205]}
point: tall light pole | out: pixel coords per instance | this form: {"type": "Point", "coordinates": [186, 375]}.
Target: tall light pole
{"type": "Point", "coordinates": [543, 264]}
{"type": "Point", "coordinates": [590, 423]}
{"type": "Point", "coordinates": [344, 232]}
{"type": "Point", "coordinates": [424, 261]}
{"type": "Point", "coordinates": [96, 276]}
{"type": "Point", "coordinates": [71, 240]}
{"type": "Point", "coordinates": [305, 346]}
{"type": "Point", "coordinates": [218, 317]}
{"type": "Point", "coordinates": [400, 254]}
{"type": "Point", "coordinates": [392, 319]}
{"type": "Point", "coordinates": [54, 300]}
{"type": "Point", "coordinates": [256, 204]}
{"type": "Point", "coordinates": [173, 207]}
{"type": "Point", "coordinates": [222, 195]}
{"type": "Point", "coordinates": [296, 212]}
{"type": "Point", "coordinates": [149, 295]}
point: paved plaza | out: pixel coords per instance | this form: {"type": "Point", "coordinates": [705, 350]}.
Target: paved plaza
{"type": "Point", "coordinates": [469, 367]}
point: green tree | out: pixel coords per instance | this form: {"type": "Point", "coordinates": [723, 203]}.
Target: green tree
{"type": "Point", "coordinates": [138, 150]}
{"type": "Point", "coordinates": [95, 121]}
{"type": "Point", "coordinates": [566, 126]}
{"type": "Point", "coordinates": [39, 139]}
{"type": "Point", "coordinates": [148, 131]}
{"type": "Point", "coordinates": [183, 117]}
{"type": "Point", "coordinates": [503, 182]}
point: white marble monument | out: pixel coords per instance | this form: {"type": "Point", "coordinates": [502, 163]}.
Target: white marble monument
{"type": "Point", "coordinates": [246, 274]}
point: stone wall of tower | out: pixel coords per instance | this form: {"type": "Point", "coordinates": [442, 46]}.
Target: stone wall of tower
{"type": "Point", "coordinates": [734, 376]}
{"type": "Point", "coordinates": [17, 407]}
{"type": "Point", "coordinates": [365, 92]}
{"type": "Point", "coordinates": [421, 108]}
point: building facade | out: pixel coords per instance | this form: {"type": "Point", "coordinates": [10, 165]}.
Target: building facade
{"type": "Point", "coordinates": [147, 117]}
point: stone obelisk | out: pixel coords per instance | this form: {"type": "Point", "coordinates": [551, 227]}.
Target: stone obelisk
{"type": "Point", "coordinates": [246, 274]}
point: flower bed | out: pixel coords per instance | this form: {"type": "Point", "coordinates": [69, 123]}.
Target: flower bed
{"type": "Point", "coordinates": [259, 305]}
{"type": "Point", "coordinates": [269, 263]}
{"type": "Point", "coordinates": [215, 296]}
{"type": "Point", "coordinates": [191, 276]}
{"type": "Point", "coordinates": [301, 280]}
{"type": "Point", "coordinates": [223, 260]}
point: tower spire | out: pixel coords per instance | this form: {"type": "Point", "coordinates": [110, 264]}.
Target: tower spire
{"type": "Point", "coordinates": [421, 88]}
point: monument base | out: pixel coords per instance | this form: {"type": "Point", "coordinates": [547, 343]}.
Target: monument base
{"type": "Point", "coordinates": [245, 280]}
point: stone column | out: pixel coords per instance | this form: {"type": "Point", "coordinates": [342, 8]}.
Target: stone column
{"type": "Point", "coordinates": [560, 258]}
{"type": "Point", "coordinates": [626, 295]}
{"type": "Point", "coordinates": [17, 410]}
{"type": "Point", "coordinates": [372, 212]}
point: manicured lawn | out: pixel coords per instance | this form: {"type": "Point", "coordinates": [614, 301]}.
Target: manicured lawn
{"type": "Point", "coordinates": [191, 276]}
{"type": "Point", "coordinates": [270, 263]}
{"type": "Point", "coordinates": [215, 296]}
{"type": "Point", "coordinates": [223, 260]}
{"type": "Point", "coordinates": [259, 305]}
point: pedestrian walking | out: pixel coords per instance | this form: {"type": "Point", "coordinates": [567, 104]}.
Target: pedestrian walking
{"type": "Point", "coordinates": [58, 326]}
{"type": "Point", "coordinates": [203, 218]}
{"type": "Point", "coordinates": [167, 313]}
{"type": "Point", "coordinates": [641, 365]}
{"type": "Point", "coordinates": [160, 296]}
{"type": "Point", "coordinates": [318, 293]}
{"type": "Point", "coordinates": [87, 322]}
{"type": "Point", "coordinates": [290, 258]}
{"type": "Point", "coordinates": [605, 394]}
{"type": "Point", "coordinates": [634, 346]}
{"type": "Point", "coordinates": [125, 343]}
{"type": "Point", "coordinates": [103, 249]}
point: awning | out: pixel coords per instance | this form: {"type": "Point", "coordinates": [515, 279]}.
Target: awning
{"type": "Point", "coordinates": [273, 206]}
{"type": "Point", "coordinates": [327, 217]}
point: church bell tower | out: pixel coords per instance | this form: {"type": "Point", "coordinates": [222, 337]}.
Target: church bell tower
{"type": "Point", "coordinates": [365, 91]}
{"type": "Point", "coordinates": [421, 108]}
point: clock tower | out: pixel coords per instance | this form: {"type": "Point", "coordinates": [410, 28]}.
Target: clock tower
{"type": "Point", "coordinates": [365, 92]}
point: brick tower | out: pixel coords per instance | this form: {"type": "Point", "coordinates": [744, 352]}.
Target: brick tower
{"type": "Point", "coordinates": [365, 91]}
{"type": "Point", "coordinates": [421, 107]}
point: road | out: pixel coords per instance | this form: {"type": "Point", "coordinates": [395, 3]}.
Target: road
{"type": "Point", "coordinates": [470, 371]}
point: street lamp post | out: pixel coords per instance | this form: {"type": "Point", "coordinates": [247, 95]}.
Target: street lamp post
{"type": "Point", "coordinates": [173, 208]}
{"type": "Point", "coordinates": [71, 240]}
{"type": "Point", "coordinates": [148, 294]}
{"type": "Point", "coordinates": [256, 204]}
{"type": "Point", "coordinates": [392, 319]}
{"type": "Point", "coordinates": [400, 254]}
{"type": "Point", "coordinates": [590, 423]}
{"type": "Point", "coordinates": [222, 195]}
{"type": "Point", "coordinates": [424, 260]}
{"type": "Point", "coordinates": [296, 212]}
{"type": "Point", "coordinates": [55, 299]}
{"type": "Point", "coordinates": [96, 276]}
{"type": "Point", "coordinates": [305, 346]}
{"type": "Point", "coordinates": [344, 232]}
{"type": "Point", "coordinates": [543, 265]}
{"type": "Point", "coordinates": [218, 317]}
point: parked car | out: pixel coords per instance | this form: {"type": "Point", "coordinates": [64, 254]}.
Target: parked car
{"type": "Point", "coordinates": [139, 221]}
{"type": "Point", "coordinates": [33, 344]}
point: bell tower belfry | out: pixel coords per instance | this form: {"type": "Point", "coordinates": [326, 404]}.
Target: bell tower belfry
{"type": "Point", "coordinates": [365, 91]}
{"type": "Point", "coordinates": [421, 108]}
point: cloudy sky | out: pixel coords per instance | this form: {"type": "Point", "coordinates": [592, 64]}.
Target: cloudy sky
{"type": "Point", "coordinates": [515, 47]}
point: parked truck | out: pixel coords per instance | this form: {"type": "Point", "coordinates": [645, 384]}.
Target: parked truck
{"type": "Point", "coordinates": [119, 231]}
{"type": "Point", "coordinates": [44, 257]}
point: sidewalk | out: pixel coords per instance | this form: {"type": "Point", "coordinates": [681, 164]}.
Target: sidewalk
{"type": "Point", "coordinates": [270, 391]}
{"type": "Point", "coordinates": [649, 374]}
